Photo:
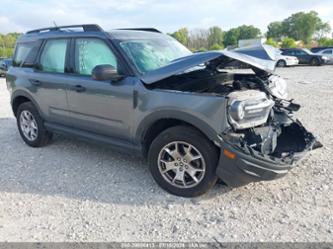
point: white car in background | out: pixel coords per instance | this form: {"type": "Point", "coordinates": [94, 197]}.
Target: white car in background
{"type": "Point", "coordinates": [327, 53]}
{"type": "Point", "coordinates": [285, 60]}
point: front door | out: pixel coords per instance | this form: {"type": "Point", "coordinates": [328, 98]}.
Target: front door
{"type": "Point", "coordinates": [102, 107]}
{"type": "Point", "coordinates": [303, 57]}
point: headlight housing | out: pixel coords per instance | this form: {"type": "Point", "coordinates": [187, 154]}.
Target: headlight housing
{"type": "Point", "coordinates": [278, 86]}
{"type": "Point", "coordinates": [325, 58]}
{"type": "Point", "coordinates": [248, 109]}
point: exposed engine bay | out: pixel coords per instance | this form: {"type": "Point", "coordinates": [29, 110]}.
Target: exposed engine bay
{"type": "Point", "coordinates": [260, 118]}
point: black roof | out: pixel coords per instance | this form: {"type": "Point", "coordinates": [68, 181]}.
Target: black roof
{"type": "Point", "coordinates": [287, 49]}
{"type": "Point", "coordinates": [318, 49]}
{"type": "Point", "coordinates": [81, 30]}
{"type": "Point", "coordinates": [84, 27]}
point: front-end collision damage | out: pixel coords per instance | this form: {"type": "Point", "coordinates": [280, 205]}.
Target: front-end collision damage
{"type": "Point", "coordinates": [265, 151]}
{"type": "Point", "coordinates": [263, 140]}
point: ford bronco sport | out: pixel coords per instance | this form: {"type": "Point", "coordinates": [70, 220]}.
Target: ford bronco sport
{"type": "Point", "coordinates": [193, 116]}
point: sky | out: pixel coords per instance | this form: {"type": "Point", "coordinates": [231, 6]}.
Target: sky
{"type": "Point", "coordinates": [165, 15]}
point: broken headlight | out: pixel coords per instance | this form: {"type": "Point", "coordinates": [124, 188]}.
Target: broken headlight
{"type": "Point", "coordinates": [278, 86]}
{"type": "Point", "coordinates": [248, 109]}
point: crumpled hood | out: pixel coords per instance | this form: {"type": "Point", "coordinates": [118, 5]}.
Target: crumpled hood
{"type": "Point", "coordinates": [262, 59]}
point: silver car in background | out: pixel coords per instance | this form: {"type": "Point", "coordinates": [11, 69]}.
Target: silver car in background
{"type": "Point", "coordinates": [327, 53]}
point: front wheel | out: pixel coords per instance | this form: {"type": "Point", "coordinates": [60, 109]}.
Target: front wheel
{"type": "Point", "coordinates": [281, 63]}
{"type": "Point", "coordinates": [31, 126]}
{"type": "Point", "coordinates": [183, 161]}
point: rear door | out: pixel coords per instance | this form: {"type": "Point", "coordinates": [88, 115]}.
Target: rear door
{"type": "Point", "coordinates": [102, 107]}
{"type": "Point", "coordinates": [49, 80]}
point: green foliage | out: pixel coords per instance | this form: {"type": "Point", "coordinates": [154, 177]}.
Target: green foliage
{"type": "Point", "coordinates": [216, 47]}
{"type": "Point", "coordinates": [325, 42]}
{"type": "Point", "coordinates": [7, 44]}
{"type": "Point", "coordinates": [201, 50]}
{"type": "Point", "coordinates": [232, 36]}
{"type": "Point", "coordinates": [275, 30]}
{"type": "Point", "coordinates": [288, 43]}
{"type": "Point", "coordinates": [322, 30]}
{"type": "Point", "coordinates": [248, 32]}
{"type": "Point", "coordinates": [299, 26]}
{"type": "Point", "coordinates": [215, 37]}
{"type": "Point", "coordinates": [182, 35]}
{"type": "Point", "coordinates": [272, 42]}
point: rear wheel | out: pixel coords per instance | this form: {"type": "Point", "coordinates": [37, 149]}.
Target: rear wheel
{"type": "Point", "coordinates": [315, 62]}
{"type": "Point", "coordinates": [31, 126]}
{"type": "Point", "coordinates": [281, 63]}
{"type": "Point", "coordinates": [183, 162]}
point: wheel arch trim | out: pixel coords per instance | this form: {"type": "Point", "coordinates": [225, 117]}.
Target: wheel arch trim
{"type": "Point", "coordinates": [196, 122]}
{"type": "Point", "coordinates": [21, 93]}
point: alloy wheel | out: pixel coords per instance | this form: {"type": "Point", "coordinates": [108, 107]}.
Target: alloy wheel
{"type": "Point", "coordinates": [28, 125]}
{"type": "Point", "coordinates": [181, 164]}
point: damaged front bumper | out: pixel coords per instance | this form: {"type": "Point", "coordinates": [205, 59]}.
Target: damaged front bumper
{"type": "Point", "coordinates": [240, 165]}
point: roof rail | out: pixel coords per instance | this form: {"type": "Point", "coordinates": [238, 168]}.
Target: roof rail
{"type": "Point", "coordinates": [85, 27]}
{"type": "Point", "coordinates": [143, 29]}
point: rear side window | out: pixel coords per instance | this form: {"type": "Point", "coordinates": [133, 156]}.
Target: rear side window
{"type": "Point", "coordinates": [90, 52]}
{"type": "Point", "coordinates": [53, 56]}
{"type": "Point", "coordinates": [300, 52]}
{"type": "Point", "coordinates": [25, 54]}
{"type": "Point", "coordinates": [328, 51]}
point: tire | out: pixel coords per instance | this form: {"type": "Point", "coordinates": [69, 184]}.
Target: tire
{"type": "Point", "coordinates": [201, 161]}
{"type": "Point", "coordinates": [281, 63]}
{"type": "Point", "coordinates": [27, 111]}
{"type": "Point", "coordinates": [315, 62]}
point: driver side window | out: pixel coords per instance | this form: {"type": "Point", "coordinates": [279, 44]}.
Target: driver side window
{"type": "Point", "coordinates": [90, 52]}
{"type": "Point", "coordinates": [300, 52]}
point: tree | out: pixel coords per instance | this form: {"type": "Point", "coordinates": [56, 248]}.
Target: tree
{"type": "Point", "coordinates": [323, 28]}
{"type": "Point", "coordinates": [7, 44]}
{"type": "Point", "coordinates": [182, 35]}
{"type": "Point", "coordinates": [198, 39]}
{"type": "Point", "coordinates": [216, 47]}
{"type": "Point", "coordinates": [288, 43]}
{"type": "Point", "coordinates": [215, 37]}
{"type": "Point", "coordinates": [325, 42]}
{"type": "Point", "coordinates": [232, 36]}
{"type": "Point", "coordinates": [248, 32]}
{"type": "Point", "coordinates": [275, 30]}
{"type": "Point", "coordinates": [302, 26]}
{"type": "Point", "coordinates": [299, 26]}
{"type": "Point", "coordinates": [272, 42]}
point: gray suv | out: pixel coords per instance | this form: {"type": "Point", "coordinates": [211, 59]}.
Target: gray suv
{"type": "Point", "coordinates": [195, 117]}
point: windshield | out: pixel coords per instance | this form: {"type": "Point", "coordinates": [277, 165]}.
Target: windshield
{"type": "Point", "coordinates": [152, 53]}
{"type": "Point", "coordinates": [307, 51]}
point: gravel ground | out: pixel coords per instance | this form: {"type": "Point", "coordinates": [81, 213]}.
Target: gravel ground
{"type": "Point", "coordinates": [75, 191]}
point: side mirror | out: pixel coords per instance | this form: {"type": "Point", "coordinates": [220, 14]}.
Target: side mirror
{"type": "Point", "coordinates": [105, 72]}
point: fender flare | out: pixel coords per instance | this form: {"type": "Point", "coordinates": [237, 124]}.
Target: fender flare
{"type": "Point", "coordinates": [196, 122]}
{"type": "Point", "coordinates": [22, 93]}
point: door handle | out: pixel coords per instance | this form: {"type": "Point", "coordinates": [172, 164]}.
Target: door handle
{"type": "Point", "coordinates": [78, 88]}
{"type": "Point", "coordinates": [35, 82]}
